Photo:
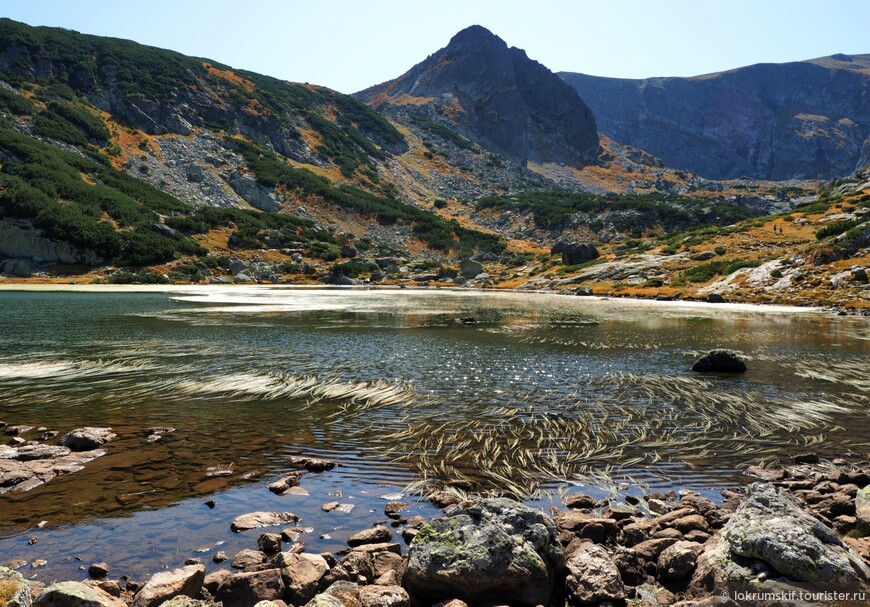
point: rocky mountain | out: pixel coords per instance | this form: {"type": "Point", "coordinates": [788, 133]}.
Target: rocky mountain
{"type": "Point", "coordinates": [806, 120]}
{"type": "Point", "coordinates": [495, 96]}
{"type": "Point", "coordinates": [115, 153]}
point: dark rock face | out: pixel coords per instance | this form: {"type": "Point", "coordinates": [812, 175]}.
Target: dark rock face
{"type": "Point", "coordinates": [574, 252]}
{"type": "Point", "coordinates": [807, 119]}
{"type": "Point", "coordinates": [501, 99]}
{"type": "Point", "coordinates": [720, 361]}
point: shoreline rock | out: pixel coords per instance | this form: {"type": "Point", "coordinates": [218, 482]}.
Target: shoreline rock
{"type": "Point", "coordinates": [797, 526]}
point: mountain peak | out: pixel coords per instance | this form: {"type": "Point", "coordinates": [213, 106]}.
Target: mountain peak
{"type": "Point", "coordinates": [498, 97]}
{"type": "Point", "coordinates": [475, 35]}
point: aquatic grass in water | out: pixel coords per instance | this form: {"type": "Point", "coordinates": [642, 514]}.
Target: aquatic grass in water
{"type": "Point", "coordinates": [544, 392]}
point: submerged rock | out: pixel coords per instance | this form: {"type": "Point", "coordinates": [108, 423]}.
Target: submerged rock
{"type": "Point", "coordinates": [87, 439]}
{"type": "Point", "coordinates": [255, 520]}
{"type": "Point", "coordinates": [486, 550]}
{"type": "Point", "coordinates": [720, 361]}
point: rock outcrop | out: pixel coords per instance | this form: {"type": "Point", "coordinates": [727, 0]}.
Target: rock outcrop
{"type": "Point", "coordinates": [499, 98]}
{"type": "Point", "coordinates": [804, 120]}
{"type": "Point", "coordinates": [771, 535]}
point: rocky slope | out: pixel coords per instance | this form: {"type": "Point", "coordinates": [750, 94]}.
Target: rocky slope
{"type": "Point", "coordinates": [808, 119]}
{"type": "Point", "coordinates": [498, 97]}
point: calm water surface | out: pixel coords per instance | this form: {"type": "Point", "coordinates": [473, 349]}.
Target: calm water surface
{"type": "Point", "coordinates": [541, 393]}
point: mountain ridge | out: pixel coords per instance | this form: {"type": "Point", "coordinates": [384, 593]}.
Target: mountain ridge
{"type": "Point", "coordinates": [806, 119]}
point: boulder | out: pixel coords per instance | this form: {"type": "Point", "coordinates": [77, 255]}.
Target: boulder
{"type": "Point", "coordinates": [28, 453]}
{"type": "Point", "coordinates": [269, 543]}
{"type": "Point", "coordinates": [165, 585]}
{"type": "Point", "coordinates": [720, 361]}
{"type": "Point", "coordinates": [486, 550]}
{"type": "Point", "coordinates": [574, 253]}
{"type": "Point", "coordinates": [592, 576]}
{"type": "Point", "coordinates": [384, 596]}
{"type": "Point", "coordinates": [862, 511]}
{"type": "Point", "coordinates": [302, 574]}
{"type": "Point", "coordinates": [248, 589]}
{"type": "Point", "coordinates": [375, 535]}
{"type": "Point", "coordinates": [676, 562]}
{"type": "Point", "coordinates": [772, 531]}
{"type": "Point", "coordinates": [470, 268]}
{"type": "Point", "coordinates": [247, 559]}
{"type": "Point", "coordinates": [349, 251]}
{"type": "Point", "coordinates": [87, 439]}
{"type": "Point", "coordinates": [75, 594]}
{"type": "Point", "coordinates": [186, 601]}
{"type": "Point", "coordinates": [16, 590]}
{"type": "Point", "coordinates": [257, 196]}
{"type": "Point", "coordinates": [346, 592]}
{"type": "Point", "coordinates": [324, 600]}
{"type": "Point", "coordinates": [255, 520]}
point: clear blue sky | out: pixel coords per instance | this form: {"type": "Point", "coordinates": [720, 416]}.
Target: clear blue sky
{"type": "Point", "coordinates": [351, 44]}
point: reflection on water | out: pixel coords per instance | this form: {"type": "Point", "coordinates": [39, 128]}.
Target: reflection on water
{"type": "Point", "coordinates": [540, 391]}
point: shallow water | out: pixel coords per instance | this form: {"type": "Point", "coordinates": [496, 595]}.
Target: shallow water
{"type": "Point", "coordinates": [542, 393]}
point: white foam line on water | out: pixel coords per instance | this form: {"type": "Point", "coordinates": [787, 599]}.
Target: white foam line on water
{"type": "Point", "coordinates": [64, 370]}
{"type": "Point", "coordinates": [271, 387]}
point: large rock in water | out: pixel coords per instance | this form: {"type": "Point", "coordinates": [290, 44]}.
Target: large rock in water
{"type": "Point", "coordinates": [720, 361]}
{"type": "Point", "coordinates": [773, 533]}
{"type": "Point", "coordinates": [255, 520]}
{"type": "Point", "coordinates": [16, 590]}
{"type": "Point", "coordinates": [574, 252]}
{"type": "Point", "coordinates": [87, 439]}
{"type": "Point", "coordinates": [486, 550]}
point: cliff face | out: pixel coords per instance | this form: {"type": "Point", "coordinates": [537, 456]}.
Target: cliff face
{"type": "Point", "coordinates": [499, 98]}
{"type": "Point", "coordinates": [808, 119]}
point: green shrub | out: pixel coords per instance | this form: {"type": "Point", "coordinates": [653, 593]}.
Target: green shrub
{"type": "Point", "coordinates": [708, 271]}
{"type": "Point", "coordinates": [837, 228]}
{"type": "Point", "coordinates": [138, 278]}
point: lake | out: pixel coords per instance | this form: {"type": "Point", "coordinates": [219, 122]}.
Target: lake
{"type": "Point", "coordinates": [529, 393]}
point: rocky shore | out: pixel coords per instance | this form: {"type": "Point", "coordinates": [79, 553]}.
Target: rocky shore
{"type": "Point", "coordinates": [799, 531]}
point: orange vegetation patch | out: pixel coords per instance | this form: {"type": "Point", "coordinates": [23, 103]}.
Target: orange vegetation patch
{"type": "Point", "coordinates": [255, 108]}
{"type": "Point", "coordinates": [229, 76]}
{"type": "Point", "coordinates": [310, 137]}
{"type": "Point", "coordinates": [130, 142]}
{"type": "Point", "coordinates": [216, 240]}
{"type": "Point", "coordinates": [406, 99]}
{"type": "Point", "coordinates": [524, 246]}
